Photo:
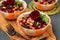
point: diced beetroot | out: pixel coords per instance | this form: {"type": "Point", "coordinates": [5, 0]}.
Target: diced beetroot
{"type": "Point", "coordinates": [41, 2]}
{"type": "Point", "coordinates": [43, 24]}
{"type": "Point", "coordinates": [18, 9]}
{"type": "Point", "coordinates": [44, 0]}
{"type": "Point", "coordinates": [1, 7]}
{"type": "Point", "coordinates": [36, 0]}
{"type": "Point", "coordinates": [38, 19]}
{"type": "Point", "coordinates": [10, 2]}
{"type": "Point", "coordinates": [8, 7]}
{"type": "Point", "coordinates": [35, 26]}
{"type": "Point", "coordinates": [20, 21]}
{"type": "Point", "coordinates": [4, 10]}
{"type": "Point", "coordinates": [10, 11]}
{"type": "Point", "coordinates": [49, 1]}
{"type": "Point", "coordinates": [35, 14]}
{"type": "Point", "coordinates": [4, 3]}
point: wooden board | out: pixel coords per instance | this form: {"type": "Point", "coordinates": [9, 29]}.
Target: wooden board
{"type": "Point", "coordinates": [20, 34]}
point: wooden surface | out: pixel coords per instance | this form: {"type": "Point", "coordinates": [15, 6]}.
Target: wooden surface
{"type": "Point", "coordinates": [3, 23]}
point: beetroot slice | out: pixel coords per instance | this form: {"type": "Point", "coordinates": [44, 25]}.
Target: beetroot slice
{"type": "Point", "coordinates": [4, 3]}
{"type": "Point", "coordinates": [49, 1]}
{"type": "Point", "coordinates": [36, 0]}
{"type": "Point", "coordinates": [34, 15]}
{"type": "Point", "coordinates": [10, 2]}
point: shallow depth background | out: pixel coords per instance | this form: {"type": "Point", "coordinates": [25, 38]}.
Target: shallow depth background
{"type": "Point", "coordinates": [55, 23]}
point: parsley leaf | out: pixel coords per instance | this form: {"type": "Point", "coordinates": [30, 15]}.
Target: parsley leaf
{"type": "Point", "coordinates": [17, 3]}
{"type": "Point", "coordinates": [44, 18]}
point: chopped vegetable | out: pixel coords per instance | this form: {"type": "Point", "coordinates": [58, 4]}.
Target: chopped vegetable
{"type": "Point", "coordinates": [24, 16]}
{"type": "Point", "coordinates": [44, 18]}
{"type": "Point", "coordinates": [17, 3]}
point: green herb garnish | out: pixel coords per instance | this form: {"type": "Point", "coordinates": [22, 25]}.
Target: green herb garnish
{"type": "Point", "coordinates": [44, 18]}
{"type": "Point", "coordinates": [24, 16]}
{"type": "Point", "coordinates": [17, 3]}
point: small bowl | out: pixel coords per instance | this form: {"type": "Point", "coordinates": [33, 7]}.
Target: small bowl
{"type": "Point", "coordinates": [13, 16]}
{"type": "Point", "coordinates": [32, 32]}
{"type": "Point", "coordinates": [46, 7]}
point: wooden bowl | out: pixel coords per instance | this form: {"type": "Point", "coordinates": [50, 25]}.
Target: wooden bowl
{"type": "Point", "coordinates": [32, 32]}
{"type": "Point", "coordinates": [13, 16]}
{"type": "Point", "coordinates": [45, 7]}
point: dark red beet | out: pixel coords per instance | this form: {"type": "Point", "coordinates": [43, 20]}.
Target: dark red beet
{"type": "Point", "coordinates": [4, 10]}
{"type": "Point", "coordinates": [41, 2]}
{"type": "Point", "coordinates": [10, 2]}
{"type": "Point", "coordinates": [20, 9]}
{"type": "Point", "coordinates": [4, 3]}
{"type": "Point", "coordinates": [10, 11]}
{"type": "Point", "coordinates": [17, 9]}
{"type": "Point", "coordinates": [36, 0]}
{"type": "Point", "coordinates": [20, 5]}
{"type": "Point", "coordinates": [49, 1]}
{"type": "Point", "coordinates": [38, 19]}
{"type": "Point", "coordinates": [35, 14]}
{"type": "Point", "coordinates": [9, 7]}
{"type": "Point", "coordinates": [44, 0]}
{"type": "Point", "coordinates": [1, 7]}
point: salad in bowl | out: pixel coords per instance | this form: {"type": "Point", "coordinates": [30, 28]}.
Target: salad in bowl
{"type": "Point", "coordinates": [12, 8]}
{"type": "Point", "coordinates": [33, 23]}
{"type": "Point", "coordinates": [45, 4]}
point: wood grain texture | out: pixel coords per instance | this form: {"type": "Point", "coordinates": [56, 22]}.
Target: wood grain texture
{"type": "Point", "coordinates": [3, 23]}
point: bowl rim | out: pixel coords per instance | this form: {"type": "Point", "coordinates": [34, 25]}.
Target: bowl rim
{"type": "Point", "coordinates": [24, 5]}
{"type": "Point", "coordinates": [35, 29]}
{"type": "Point", "coordinates": [48, 4]}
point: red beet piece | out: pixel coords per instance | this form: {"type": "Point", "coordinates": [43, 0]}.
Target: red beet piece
{"type": "Point", "coordinates": [4, 10]}
{"type": "Point", "coordinates": [44, 0]}
{"type": "Point", "coordinates": [9, 7]}
{"type": "Point", "coordinates": [49, 1]}
{"type": "Point", "coordinates": [1, 7]}
{"type": "Point", "coordinates": [17, 9]}
{"type": "Point", "coordinates": [20, 5]}
{"type": "Point", "coordinates": [41, 2]}
{"type": "Point", "coordinates": [10, 2]}
{"type": "Point", "coordinates": [34, 15]}
{"type": "Point", "coordinates": [38, 19]}
{"type": "Point", "coordinates": [10, 11]}
{"type": "Point", "coordinates": [36, 0]}
{"type": "Point", "coordinates": [4, 3]}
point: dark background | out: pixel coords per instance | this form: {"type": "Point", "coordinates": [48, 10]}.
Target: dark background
{"type": "Point", "coordinates": [55, 23]}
